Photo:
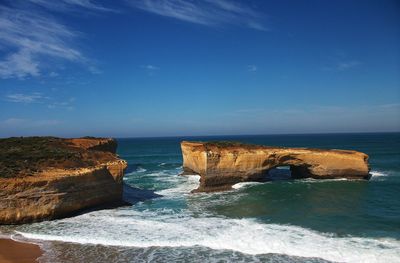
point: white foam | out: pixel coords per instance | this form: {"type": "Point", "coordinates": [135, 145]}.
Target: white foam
{"type": "Point", "coordinates": [138, 170]}
{"type": "Point", "coordinates": [305, 180]}
{"type": "Point", "coordinates": [184, 185]}
{"type": "Point", "coordinates": [168, 228]}
{"type": "Point", "coordinates": [141, 170]}
{"type": "Point", "coordinates": [244, 184]}
{"type": "Point", "coordinates": [377, 174]}
{"type": "Point", "coordinates": [312, 180]}
{"type": "Point", "coordinates": [5, 236]}
{"type": "Point", "coordinates": [157, 174]}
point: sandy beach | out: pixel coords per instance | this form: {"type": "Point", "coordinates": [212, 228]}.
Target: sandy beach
{"type": "Point", "coordinates": [17, 252]}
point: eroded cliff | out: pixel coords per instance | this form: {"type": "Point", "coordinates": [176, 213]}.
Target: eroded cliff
{"type": "Point", "coordinates": [46, 178]}
{"type": "Point", "coordinates": [222, 164]}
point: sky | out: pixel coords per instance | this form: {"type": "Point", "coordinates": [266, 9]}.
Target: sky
{"type": "Point", "coordinates": [149, 68]}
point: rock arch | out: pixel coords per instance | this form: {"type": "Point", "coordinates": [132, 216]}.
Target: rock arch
{"type": "Point", "coordinates": [222, 164]}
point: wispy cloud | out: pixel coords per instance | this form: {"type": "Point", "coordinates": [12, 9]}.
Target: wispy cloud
{"type": "Point", "coordinates": [19, 64]}
{"type": "Point", "coordinates": [204, 12]}
{"type": "Point", "coordinates": [39, 98]}
{"type": "Point", "coordinates": [31, 38]}
{"type": "Point", "coordinates": [68, 5]}
{"type": "Point", "coordinates": [26, 98]}
{"type": "Point", "coordinates": [252, 68]}
{"type": "Point", "coordinates": [150, 67]}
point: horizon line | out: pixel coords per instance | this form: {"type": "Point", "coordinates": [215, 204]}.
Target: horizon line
{"type": "Point", "coordinates": [244, 135]}
{"type": "Point", "coordinates": [221, 135]}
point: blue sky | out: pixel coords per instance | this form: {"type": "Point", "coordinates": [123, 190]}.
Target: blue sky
{"type": "Point", "coordinates": [135, 68]}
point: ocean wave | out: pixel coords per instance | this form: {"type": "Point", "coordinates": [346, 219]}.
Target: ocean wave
{"type": "Point", "coordinates": [374, 176]}
{"type": "Point", "coordinates": [378, 173]}
{"type": "Point", "coordinates": [290, 181]}
{"type": "Point", "coordinates": [245, 184]}
{"type": "Point", "coordinates": [100, 254]}
{"type": "Point", "coordinates": [313, 180]}
{"type": "Point", "coordinates": [171, 228]}
{"type": "Point", "coordinates": [161, 174]}
{"type": "Point", "coordinates": [141, 170]}
{"type": "Point", "coordinates": [183, 185]}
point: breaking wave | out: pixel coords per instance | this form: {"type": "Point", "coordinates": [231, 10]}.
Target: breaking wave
{"type": "Point", "coordinates": [245, 184]}
{"type": "Point", "coordinates": [185, 227]}
{"type": "Point", "coordinates": [171, 228]}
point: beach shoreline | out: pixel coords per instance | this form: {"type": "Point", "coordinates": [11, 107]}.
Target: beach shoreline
{"type": "Point", "coordinates": [12, 251]}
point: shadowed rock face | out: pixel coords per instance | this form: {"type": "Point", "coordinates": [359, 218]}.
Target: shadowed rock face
{"type": "Point", "coordinates": [47, 178]}
{"type": "Point", "coordinates": [222, 164]}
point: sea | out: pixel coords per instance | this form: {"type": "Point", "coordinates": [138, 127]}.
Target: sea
{"type": "Point", "coordinates": [279, 220]}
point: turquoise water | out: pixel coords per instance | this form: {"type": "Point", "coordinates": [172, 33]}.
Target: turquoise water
{"type": "Point", "coordinates": [278, 221]}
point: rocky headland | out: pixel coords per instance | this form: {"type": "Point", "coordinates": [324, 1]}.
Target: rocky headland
{"type": "Point", "coordinates": [45, 178]}
{"type": "Point", "coordinates": [222, 164]}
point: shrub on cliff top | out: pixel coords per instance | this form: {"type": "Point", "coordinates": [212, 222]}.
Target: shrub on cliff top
{"type": "Point", "coordinates": [23, 156]}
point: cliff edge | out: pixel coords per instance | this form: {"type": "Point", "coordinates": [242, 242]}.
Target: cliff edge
{"type": "Point", "coordinates": [45, 178]}
{"type": "Point", "coordinates": [222, 164]}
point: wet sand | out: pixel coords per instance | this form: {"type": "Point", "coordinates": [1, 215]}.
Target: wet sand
{"type": "Point", "coordinates": [18, 252]}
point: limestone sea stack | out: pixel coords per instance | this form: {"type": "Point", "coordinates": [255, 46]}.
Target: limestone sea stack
{"type": "Point", "coordinates": [222, 164]}
{"type": "Point", "coordinates": [46, 177]}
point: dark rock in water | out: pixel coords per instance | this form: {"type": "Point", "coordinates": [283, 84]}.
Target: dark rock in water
{"type": "Point", "coordinates": [222, 164]}
{"type": "Point", "coordinates": [133, 195]}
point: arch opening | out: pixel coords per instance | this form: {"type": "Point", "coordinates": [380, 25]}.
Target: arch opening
{"type": "Point", "coordinates": [278, 173]}
{"type": "Point", "coordinates": [286, 172]}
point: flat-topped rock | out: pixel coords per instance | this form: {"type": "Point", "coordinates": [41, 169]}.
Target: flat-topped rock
{"type": "Point", "coordinates": [222, 164]}
{"type": "Point", "coordinates": [46, 177]}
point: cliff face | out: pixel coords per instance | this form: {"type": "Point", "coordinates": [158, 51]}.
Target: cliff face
{"type": "Point", "coordinates": [86, 173]}
{"type": "Point", "coordinates": [221, 165]}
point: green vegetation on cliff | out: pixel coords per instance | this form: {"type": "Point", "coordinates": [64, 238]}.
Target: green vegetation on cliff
{"type": "Point", "coordinates": [24, 156]}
